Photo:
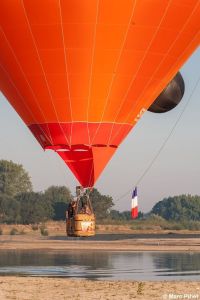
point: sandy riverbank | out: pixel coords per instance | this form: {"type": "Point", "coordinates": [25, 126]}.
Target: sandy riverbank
{"type": "Point", "coordinates": [27, 288]}
{"type": "Point", "coordinates": [152, 243]}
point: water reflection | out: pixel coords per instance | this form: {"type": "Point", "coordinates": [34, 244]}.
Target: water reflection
{"type": "Point", "coordinates": [178, 263]}
{"type": "Point", "coordinates": [54, 258]}
{"type": "Point", "coordinates": [102, 265]}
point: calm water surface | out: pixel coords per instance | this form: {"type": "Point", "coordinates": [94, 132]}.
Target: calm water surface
{"type": "Point", "coordinates": [102, 265]}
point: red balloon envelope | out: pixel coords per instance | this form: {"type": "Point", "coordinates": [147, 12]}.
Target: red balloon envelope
{"type": "Point", "coordinates": [80, 73]}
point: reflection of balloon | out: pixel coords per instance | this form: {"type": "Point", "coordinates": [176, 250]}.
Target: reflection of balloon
{"type": "Point", "coordinates": [170, 96]}
{"type": "Point", "coordinates": [80, 72]}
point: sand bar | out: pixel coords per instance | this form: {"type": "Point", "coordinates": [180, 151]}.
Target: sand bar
{"type": "Point", "coordinates": [25, 242]}
{"type": "Point", "coordinates": [30, 288]}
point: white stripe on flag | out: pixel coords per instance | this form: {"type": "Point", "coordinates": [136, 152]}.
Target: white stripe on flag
{"type": "Point", "coordinates": [134, 202]}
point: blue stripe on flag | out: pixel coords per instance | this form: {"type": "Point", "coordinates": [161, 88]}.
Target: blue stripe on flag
{"type": "Point", "coordinates": [134, 193]}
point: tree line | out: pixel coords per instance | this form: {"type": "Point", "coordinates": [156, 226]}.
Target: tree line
{"type": "Point", "coordinates": [19, 204]}
{"type": "Point", "coordinates": [178, 208]}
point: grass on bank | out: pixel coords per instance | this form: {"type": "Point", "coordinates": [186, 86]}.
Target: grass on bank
{"type": "Point", "coordinates": [44, 230]}
{"type": "Point", "coordinates": [153, 222]}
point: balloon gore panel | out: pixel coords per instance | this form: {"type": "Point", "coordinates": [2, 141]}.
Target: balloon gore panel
{"type": "Point", "coordinates": [86, 147]}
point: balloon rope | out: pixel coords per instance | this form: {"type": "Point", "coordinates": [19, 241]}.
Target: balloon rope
{"type": "Point", "coordinates": [164, 143]}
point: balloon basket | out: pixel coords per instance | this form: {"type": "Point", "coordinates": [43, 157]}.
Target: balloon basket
{"type": "Point", "coordinates": [81, 226]}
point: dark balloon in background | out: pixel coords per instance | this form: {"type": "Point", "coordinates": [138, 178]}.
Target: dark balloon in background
{"type": "Point", "coordinates": [170, 96]}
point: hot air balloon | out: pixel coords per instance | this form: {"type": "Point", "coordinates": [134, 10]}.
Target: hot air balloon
{"type": "Point", "coordinates": [170, 97]}
{"type": "Point", "coordinates": [80, 73]}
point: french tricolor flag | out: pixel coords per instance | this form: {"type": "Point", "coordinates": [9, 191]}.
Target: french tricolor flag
{"type": "Point", "coordinates": [134, 204]}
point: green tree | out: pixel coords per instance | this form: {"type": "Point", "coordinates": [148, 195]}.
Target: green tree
{"type": "Point", "coordinates": [101, 204]}
{"type": "Point", "coordinates": [13, 179]}
{"type": "Point", "coordinates": [59, 197]}
{"type": "Point", "coordinates": [124, 215]}
{"type": "Point", "coordinates": [9, 210]}
{"type": "Point", "coordinates": [179, 208]}
{"type": "Point", "coordinates": [33, 208]}
{"type": "Point", "coordinates": [114, 214]}
{"type": "Point", "coordinates": [140, 215]}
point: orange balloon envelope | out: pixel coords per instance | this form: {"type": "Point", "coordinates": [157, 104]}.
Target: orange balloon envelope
{"type": "Point", "coordinates": [80, 73]}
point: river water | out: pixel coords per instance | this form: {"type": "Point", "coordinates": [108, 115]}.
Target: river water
{"type": "Point", "coordinates": [102, 265]}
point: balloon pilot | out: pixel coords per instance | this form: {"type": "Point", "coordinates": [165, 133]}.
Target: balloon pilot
{"type": "Point", "coordinates": [80, 219]}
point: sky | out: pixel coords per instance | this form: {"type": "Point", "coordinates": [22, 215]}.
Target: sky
{"type": "Point", "coordinates": [175, 171]}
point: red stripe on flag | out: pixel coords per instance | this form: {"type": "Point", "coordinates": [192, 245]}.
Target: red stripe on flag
{"type": "Point", "coordinates": [134, 212]}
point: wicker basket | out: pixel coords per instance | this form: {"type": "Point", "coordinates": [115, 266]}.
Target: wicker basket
{"type": "Point", "coordinates": [81, 225]}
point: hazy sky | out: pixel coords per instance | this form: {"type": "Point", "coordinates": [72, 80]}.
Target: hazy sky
{"type": "Point", "coordinates": [176, 170]}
